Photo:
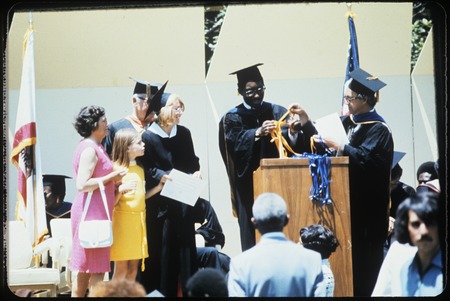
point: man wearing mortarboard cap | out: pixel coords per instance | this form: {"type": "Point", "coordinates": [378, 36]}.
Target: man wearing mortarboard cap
{"type": "Point", "coordinates": [245, 138]}
{"type": "Point", "coordinates": [399, 192]}
{"type": "Point", "coordinates": [146, 102]}
{"type": "Point", "coordinates": [370, 151]}
{"type": "Point", "coordinates": [54, 194]}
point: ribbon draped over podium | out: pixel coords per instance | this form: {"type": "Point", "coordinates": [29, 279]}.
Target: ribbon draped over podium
{"type": "Point", "coordinates": [320, 170]}
{"type": "Point", "coordinates": [319, 165]}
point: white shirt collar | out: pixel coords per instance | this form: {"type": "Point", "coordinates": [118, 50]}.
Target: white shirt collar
{"type": "Point", "coordinates": [155, 128]}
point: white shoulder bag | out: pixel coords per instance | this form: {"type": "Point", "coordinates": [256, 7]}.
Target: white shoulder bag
{"type": "Point", "coordinates": [95, 233]}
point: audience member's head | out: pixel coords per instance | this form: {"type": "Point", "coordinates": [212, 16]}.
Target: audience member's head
{"type": "Point", "coordinates": [396, 173]}
{"type": "Point", "coordinates": [270, 213]}
{"type": "Point", "coordinates": [414, 213]}
{"type": "Point", "coordinates": [319, 239]}
{"type": "Point", "coordinates": [207, 282]}
{"type": "Point", "coordinates": [118, 288]}
{"type": "Point", "coordinates": [427, 172]}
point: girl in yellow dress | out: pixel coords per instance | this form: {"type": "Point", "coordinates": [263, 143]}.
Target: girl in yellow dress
{"type": "Point", "coordinates": [129, 229]}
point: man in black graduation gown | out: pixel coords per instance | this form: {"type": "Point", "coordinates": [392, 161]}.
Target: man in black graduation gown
{"type": "Point", "coordinates": [399, 192]}
{"type": "Point", "coordinates": [244, 139]}
{"type": "Point", "coordinates": [370, 151]}
{"type": "Point", "coordinates": [54, 187]}
{"type": "Point", "coordinates": [146, 102]}
{"type": "Point", "coordinates": [54, 194]}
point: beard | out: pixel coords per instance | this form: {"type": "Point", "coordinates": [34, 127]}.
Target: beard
{"type": "Point", "coordinates": [253, 102]}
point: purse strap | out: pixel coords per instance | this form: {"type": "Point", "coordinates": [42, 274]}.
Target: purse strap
{"type": "Point", "coordinates": [88, 201]}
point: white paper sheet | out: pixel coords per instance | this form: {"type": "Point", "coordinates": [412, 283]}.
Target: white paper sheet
{"type": "Point", "coordinates": [331, 126]}
{"type": "Point", "coordinates": [183, 187]}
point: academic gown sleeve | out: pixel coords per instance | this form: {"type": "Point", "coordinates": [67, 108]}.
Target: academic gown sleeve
{"type": "Point", "coordinates": [240, 142]}
{"type": "Point", "coordinates": [370, 148]}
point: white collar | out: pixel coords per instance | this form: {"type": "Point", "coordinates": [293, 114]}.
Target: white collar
{"type": "Point", "coordinates": [155, 128]}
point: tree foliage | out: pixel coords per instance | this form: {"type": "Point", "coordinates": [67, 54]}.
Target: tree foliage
{"type": "Point", "coordinates": [420, 28]}
{"type": "Point", "coordinates": [421, 25]}
{"type": "Point", "coordinates": [214, 16]}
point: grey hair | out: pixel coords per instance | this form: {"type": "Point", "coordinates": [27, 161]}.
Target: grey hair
{"type": "Point", "coordinates": [269, 206]}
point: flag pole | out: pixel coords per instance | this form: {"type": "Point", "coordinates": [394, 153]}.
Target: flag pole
{"type": "Point", "coordinates": [33, 172]}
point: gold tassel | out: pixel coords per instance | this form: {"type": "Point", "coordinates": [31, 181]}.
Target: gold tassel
{"type": "Point", "coordinates": [278, 138]}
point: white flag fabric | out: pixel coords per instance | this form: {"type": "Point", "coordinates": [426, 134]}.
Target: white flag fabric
{"type": "Point", "coordinates": [25, 154]}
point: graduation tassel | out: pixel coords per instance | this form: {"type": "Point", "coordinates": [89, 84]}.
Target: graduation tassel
{"type": "Point", "coordinates": [277, 137]}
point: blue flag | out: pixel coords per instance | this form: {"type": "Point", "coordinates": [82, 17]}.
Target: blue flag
{"type": "Point", "coordinates": [352, 58]}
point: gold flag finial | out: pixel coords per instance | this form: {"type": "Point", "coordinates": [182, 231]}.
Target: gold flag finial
{"type": "Point", "coordinates": [349, 12]}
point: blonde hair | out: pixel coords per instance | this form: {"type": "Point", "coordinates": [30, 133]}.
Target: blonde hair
{"type": "Point", "coordinates": [122, 141]}
{"type": "Point", "coordinates": [118, 288]}
{"type": "Point", "coordinates": [165, 115]}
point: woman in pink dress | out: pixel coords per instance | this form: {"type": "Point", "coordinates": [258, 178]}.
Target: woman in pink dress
{"type": "Point", "coordinates": [90, 165]}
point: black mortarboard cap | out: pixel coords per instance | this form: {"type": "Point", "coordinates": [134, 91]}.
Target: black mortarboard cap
{"type": "Point", "coordinates": [56, 182]}
{"type": "Point", "coordinates": [364, 83]}
{"type": "Point", "coordinates": [154, 102]}
{"type": "Point", "coordinates": [248, 74]}
{"type": "Point", "coordinates": [144, 87]}
{"type": "Point", "coordinates": [164, 98]}
{"type": "Point", "coordinates": [397, 157]}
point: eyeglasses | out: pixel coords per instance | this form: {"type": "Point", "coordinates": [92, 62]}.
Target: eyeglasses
{"type": "Point", "coordinates": [141, 97]}
{"type": "Point", "coordinates": [177, 109]}
{"type": "Point", "coordinates": [252, 92]}
{"type": "Point", "coordinates": [348, 99]}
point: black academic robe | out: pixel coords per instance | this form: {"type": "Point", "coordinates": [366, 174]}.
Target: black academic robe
{"type": "Point", "coordinates": [241, 154]}
{"type": "Point", "coordinates": [370, 153]}
{"type": "Point", "coordinates": [210, 228]}
{"type": "Point", "coordinates": [170, 224]}
{"type": "Point", "coordinates": [399, 193]}
{"type": "Point", "coordinates": [63, 211]}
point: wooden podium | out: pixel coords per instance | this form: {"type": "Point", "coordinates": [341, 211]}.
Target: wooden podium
{"type": "Point", "coordinates": [291, 179]}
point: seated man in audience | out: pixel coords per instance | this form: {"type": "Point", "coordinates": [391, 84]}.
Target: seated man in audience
{"type": "Point", "coordinates": [54, 194]}
{"type": "Point", "coordinates": [276, 266]}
